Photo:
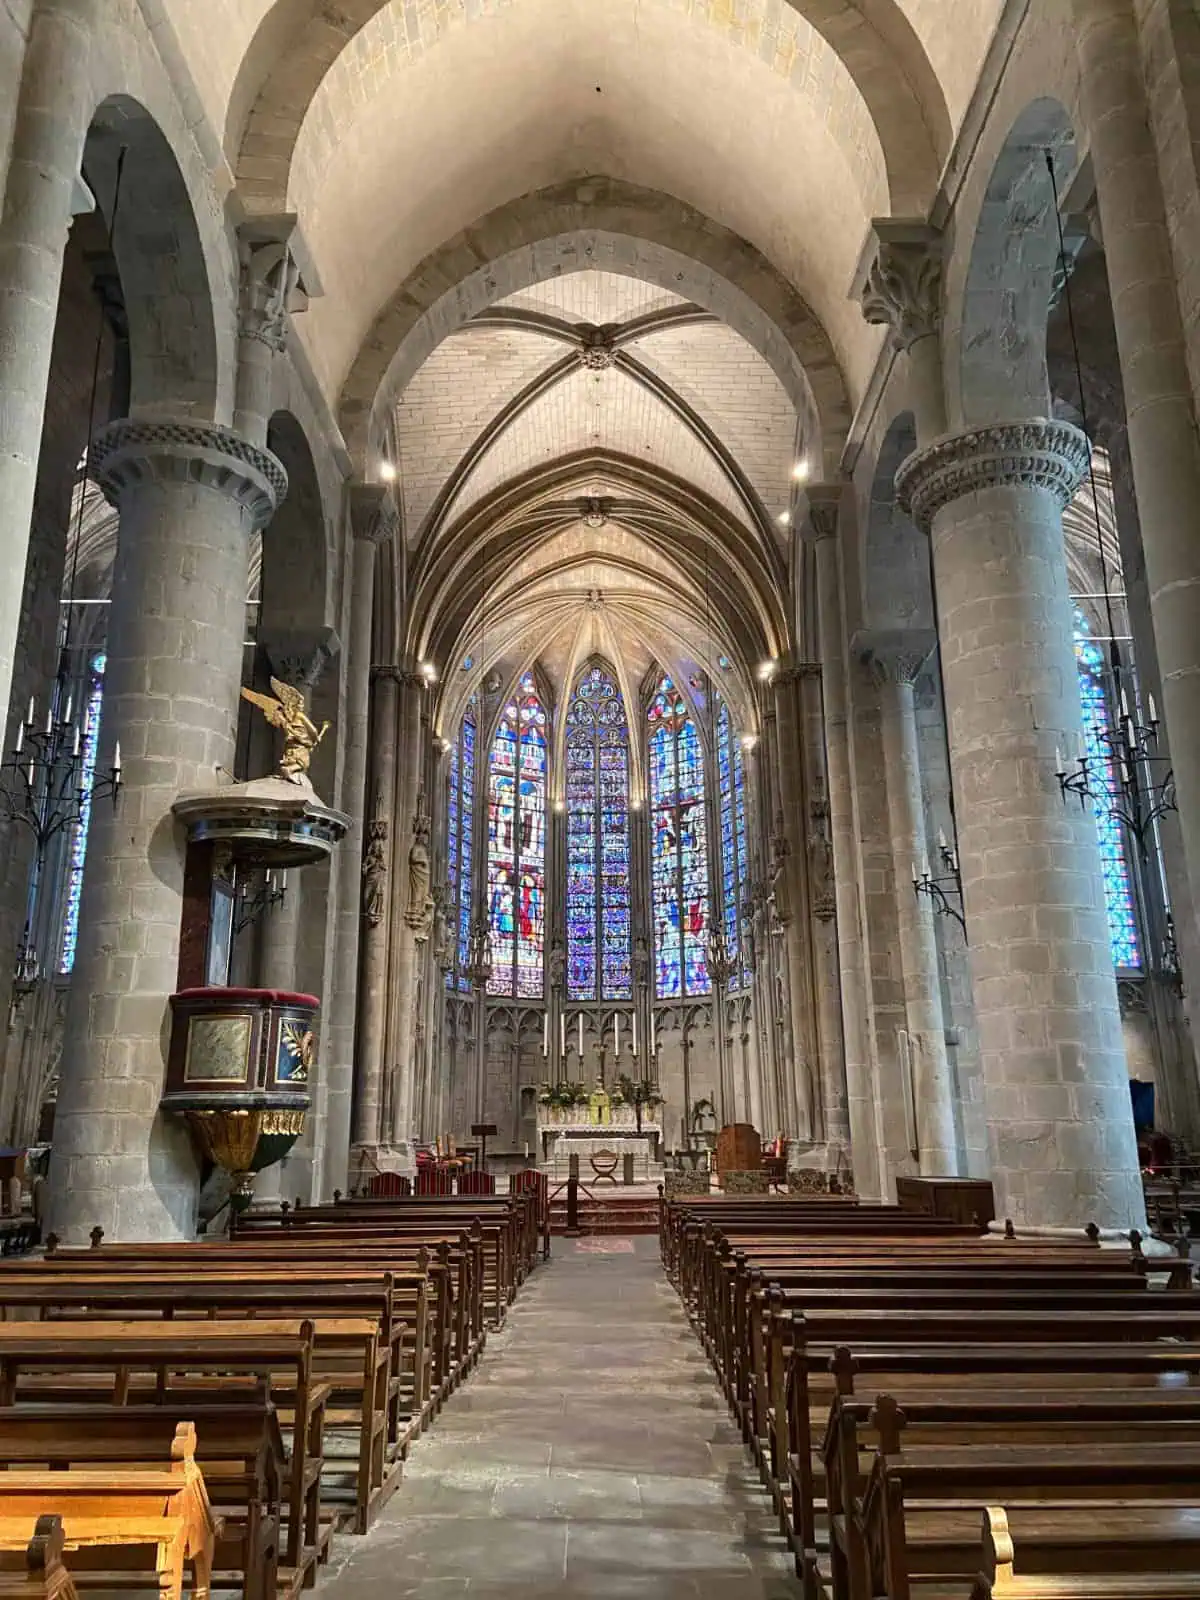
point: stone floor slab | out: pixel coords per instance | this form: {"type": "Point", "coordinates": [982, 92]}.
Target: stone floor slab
{"type": "Point", "coordinates": [590, 1456]}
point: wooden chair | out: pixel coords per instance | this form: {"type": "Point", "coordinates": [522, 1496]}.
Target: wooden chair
{"type": "Point", "coordinates": [604, 1166]}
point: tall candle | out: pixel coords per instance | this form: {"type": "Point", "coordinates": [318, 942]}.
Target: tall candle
{"type": "Point", "coordinates": [635, 1033]}
{"type": "Point", "coordinates": [581, 1038]}
{"type": "Point", "coordinates": [653, 1035]}
{"type": "Point", "coordinates": [562, 1035]}
{"type": "Point", "coordinates": [616, 1033]}
{"type": "Point", "coordinates": [546, 1034]}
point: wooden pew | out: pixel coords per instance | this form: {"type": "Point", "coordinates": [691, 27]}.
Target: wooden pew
{"type": "Point", "coordinates": [126, 1527]}
{"type": "Point", "coordinates": [239, 1450]}
{"type": "Point", "coordinates": [858, 1429]}
{"type": "Point", "coordinates": [918, 1506]}
{"type": "Point", "coordinates": [39, 1571]}
{"type": "Point", "coordinates": [1122, 1536]}
{"type": "Point", "coordinates": [165, 1363]}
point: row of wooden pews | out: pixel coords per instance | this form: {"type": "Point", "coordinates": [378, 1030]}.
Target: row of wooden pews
{"type": "Point", "coordinates": [280, 1375]}
{"type": "Point", "coordinates": [941, 1412]}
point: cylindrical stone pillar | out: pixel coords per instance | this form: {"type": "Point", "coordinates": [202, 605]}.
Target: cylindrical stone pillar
{"type": "Point", "coordinates": [895, 660]}
{"type": "Point", "coordinates": [189, 496]}
{"type": "Point", "coordinates": [372, 1010]}
{"type": "Point", "coordinates": [373, 522]}
{"type": "Point", "coordinates": [1056, 1089]}
{"type": "Point", "coordinates": [48, 135]}
{"type": "Point", "coordinates": [821, 526]}
{"type": "Point", "coordinates": [1159, 402]}
{"type": "Point", "coordinates": [403, 953]}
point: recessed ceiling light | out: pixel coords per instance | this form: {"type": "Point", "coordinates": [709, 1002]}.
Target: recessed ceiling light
{"type": "Point", "coordinates": [800, 470]}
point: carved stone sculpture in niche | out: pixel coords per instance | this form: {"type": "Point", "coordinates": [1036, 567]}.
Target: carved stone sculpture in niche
{"type": "Point", "coordinates": [419, 913]}
{"type": "Point", "coordinates": [557, 964]}
{"type": "Point", "coordinates": [374, 871]}
{"type": "Point", "coordinates": [781, 889]}
{"type": "Point", "coordinates": [820, 862]}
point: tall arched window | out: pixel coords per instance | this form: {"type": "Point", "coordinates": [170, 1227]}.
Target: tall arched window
{"type": "Point", "coordinates": [731, 772]}
{"type": "Point", "coordinates": [79, 835]}
{"type": "Point", "coordinates": [460, 841]}
{"type": "Point", "coordinates": [1097, 720]}
{"type": "Point", "coordinates": [679, 847]}
{"type": "Point", "coordinates": [517, 845]}
{"type": "Point", "coordinates": [598, 887]}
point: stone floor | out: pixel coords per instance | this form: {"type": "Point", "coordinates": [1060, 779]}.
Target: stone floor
{"type": "Point", "coordinates": [591, 1455]}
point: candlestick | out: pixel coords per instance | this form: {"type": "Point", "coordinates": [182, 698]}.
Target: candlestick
{"type": "Point", "coordinates": [635, 1033]}
{"type": "Point", "coordinates": [20, 737]}
{"type": "Point", "coordinates": [31, 717]}
{"type": "Point", "coordinates": [1153, 712]}
{"type": "Point", "coordinates": [616, 1033]}
{"type": "Point", "coordinates": [653, 1035]}
{"type": "Point", "coordinates": [562, 1036]}
{"type": "Point", "coordinates": [546, 1034]}
{"type": "Point", "coordinates": [581, 1038]}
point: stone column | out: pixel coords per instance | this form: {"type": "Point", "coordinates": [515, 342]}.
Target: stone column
{"type": "Point", "coordinates": [895, 661]}
{"type": "Point", "coordinates": [377, 873]}
{"type": "Point", "coordinates": [41, 194]}
{"type": "Point", "coordinates": [821, 528]}
{"type": "Point", "coordinates": [269, 291]}
{"type": "Point", "coordinates": [373, 522]}
{"type": "Point", "coordinates": [412, 911]}
{"type": "Point", "coordinates": [806, 1086]}
{"type": "Point", "coordinates": [189, 496]}
{"type": "Point", "coordinates": [900, 287]}
{"type": "Point", "coordinates": [1055, 1084]}
{"type": "Point", "coordinates": [1160, 403]}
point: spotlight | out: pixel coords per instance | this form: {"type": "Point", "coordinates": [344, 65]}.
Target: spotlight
{"type": "Point", "coordinates": [429, 672]}
{"type": "Point", "coordinates": [800, 470]}
{"type": "Point", "coordinates": [749, 740]}
{"type": "Point", "coordinates": [784, 519]}
{"type": "Point", "coordinates": [387, 472]}
{"type": "Point", "coordinates": [766, 669]}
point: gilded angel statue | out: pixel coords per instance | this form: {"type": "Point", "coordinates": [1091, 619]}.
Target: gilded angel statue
{"type": "Point", "coordinates": [301, 736]}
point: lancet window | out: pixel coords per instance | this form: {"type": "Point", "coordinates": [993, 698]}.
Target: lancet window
{"type": "Point", "coordinates": [731, 773]}
{"type": "Point", "coordinates": [598, 861]}
{"type": "Point", "coordinates": [1097, 721]}
{"type": "Point", "coordinates": [516, 876]}
{"type": "Point", "coordinates": [678, 846]}
{"type": "Point", "coordinates": [460, 841]}
{"type": "Point", "coordinates": [79, 836]}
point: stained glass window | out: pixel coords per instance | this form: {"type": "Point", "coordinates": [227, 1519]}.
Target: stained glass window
{"type": "Point", "coordinates": [598, 886]}
{"type": "Point", "coordinates": [1118, 888]}
{"type": "Point", "coordinates": [731, 772]}
{"type": "Point", "coordinates": [79, 837]}
{"type": "Point", "coordinates": [679, 847]}
{"type": "Point", "coordinates": [460, 840]}
{"type": "Point", "coordinates": [517, 845]}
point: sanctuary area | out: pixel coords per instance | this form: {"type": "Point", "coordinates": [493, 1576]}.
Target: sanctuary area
{"type": "Point", "coordinates": [599, 638]}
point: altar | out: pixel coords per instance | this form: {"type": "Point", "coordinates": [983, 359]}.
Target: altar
{"type": "Point", "coordinates": [576, 1133]}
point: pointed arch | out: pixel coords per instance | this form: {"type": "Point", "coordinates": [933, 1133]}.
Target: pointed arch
{"type": "Point", "coordinates": [598, 897]}
{"type": "Point", "coordinates": [678, 847]}
{"type": "Point", "coordinates": [516, 868]}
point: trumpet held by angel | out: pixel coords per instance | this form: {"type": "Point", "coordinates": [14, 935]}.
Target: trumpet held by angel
{"type": "Point", "coordinates": [286, 709]}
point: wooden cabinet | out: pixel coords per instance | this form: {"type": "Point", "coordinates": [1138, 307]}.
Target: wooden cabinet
{"type": "Point", "coordinates": [955, 1199]}
{"type": "Point", "coordinates": [739, 1149]}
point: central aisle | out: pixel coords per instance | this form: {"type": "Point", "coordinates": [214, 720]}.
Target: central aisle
{"type": "Point", "coordinates": [590, 1455]}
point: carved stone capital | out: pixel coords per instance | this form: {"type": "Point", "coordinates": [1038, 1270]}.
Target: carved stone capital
{"type": "Point", "coordinates": [1035, 454]}
{"type": "Point", "coordinates": [269, 289]}
{"type": "Point", "coordinates": [374, 516]}
{"type": "Point", "coordinates": [899, 284]}
{"type": "Point", "coordinates": [133, 452]}
{"type": "Point", "coordinates": [403, 676]}
{"type": "Point", "coordinates": [824, 511]}
{"type": "Point", "coordinates": [895, 655]}
{"type": "Point", "coordinates": [300, 656]}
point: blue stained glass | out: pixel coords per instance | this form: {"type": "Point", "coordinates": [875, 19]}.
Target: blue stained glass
{"type": "Point", "coordinates": [460, 830]}
{"type": "Point", "coordinates": [517, 845]}
{"type": "Point", "coordinates": [729, 772]}
{"type": "Point", "coordinates": [598, 888]}
{"type": "Point", "coordinates": [1118, 888]}
{"type": "Point", "coordinates": [79, 837]}
{"type": "Point", "coordinates": [679, 847]}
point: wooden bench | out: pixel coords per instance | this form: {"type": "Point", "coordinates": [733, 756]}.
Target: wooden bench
{"type": "Point", "coordinates": [239, 1450]}
{"type": "Point", "coordinates": [126, 1527]}
{"type": "Point", "coordinates": [1122, 1536]}
{"type": "Point", "coordinates": [162, 1363]}
{"type": "Point", "coordinates": [39, 1571]}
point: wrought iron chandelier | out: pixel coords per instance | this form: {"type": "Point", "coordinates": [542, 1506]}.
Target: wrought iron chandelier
{"type": "Point", "coordinates": [48, 780]}
{"type": "Point", "coordinates": [946, 888]}
{"type": "Point", "coordinates": [1117, 768]}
